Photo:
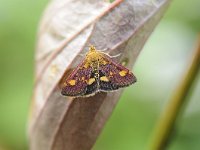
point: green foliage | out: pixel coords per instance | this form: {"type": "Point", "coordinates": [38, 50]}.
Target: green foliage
{"type": "Point", "coordinates": [112, 1]}
{"type": "Point", "coordinates": [18, 27]}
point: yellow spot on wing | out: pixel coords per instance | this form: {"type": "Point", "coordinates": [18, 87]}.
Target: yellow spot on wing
{"type": "Point", "coordinates": [86, 65]}
{"type": "Point", "coordinates": [72, 82]}
{"type": "Point", "coordinates": [111, 73]}
{"type": "Point", "coordinates": [104, 78]}
{"type": "Point", "coordinates": [91, 80]}
{"type": "Point", "coordinates": [104, 62]}
{"type": "Point", "coordinates": [123, 73]}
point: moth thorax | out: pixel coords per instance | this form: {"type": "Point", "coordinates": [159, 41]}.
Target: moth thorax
{"type": "Point", "coordinates": [94, 64]}
{"type": "Point", "coordinates": [93, 56]}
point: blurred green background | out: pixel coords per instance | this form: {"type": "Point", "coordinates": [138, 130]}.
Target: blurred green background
{"type": "Point", "coordinates": [159, 69]}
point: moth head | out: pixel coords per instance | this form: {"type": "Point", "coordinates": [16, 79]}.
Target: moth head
{"type": "Point", "coordinates": [92, 48]}
{"type": "Point", "coordinates": [93, 55]}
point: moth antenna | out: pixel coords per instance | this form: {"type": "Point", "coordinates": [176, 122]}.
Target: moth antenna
{"type": "Point", "coordinates": [105, 49]}
{"type": "Point", "coordinates": [114, 56]}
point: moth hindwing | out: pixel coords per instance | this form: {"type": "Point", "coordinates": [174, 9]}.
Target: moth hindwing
{"type": "Point", "coordinates": [97, 72]}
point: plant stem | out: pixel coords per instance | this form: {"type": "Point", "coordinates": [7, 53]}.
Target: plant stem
{"type": "Point", "coordinates": [166, 123]}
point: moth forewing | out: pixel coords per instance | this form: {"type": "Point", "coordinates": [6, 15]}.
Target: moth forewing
{"type": "Point", "coordinates": [97, 72]}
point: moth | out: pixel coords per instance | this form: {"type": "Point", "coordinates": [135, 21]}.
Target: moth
{"type": "Point", "coordinates": [96, 73]}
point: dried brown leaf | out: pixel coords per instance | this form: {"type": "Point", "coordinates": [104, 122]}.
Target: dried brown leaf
{"type": "Point", "coordinates": [66, 29]}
